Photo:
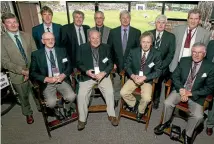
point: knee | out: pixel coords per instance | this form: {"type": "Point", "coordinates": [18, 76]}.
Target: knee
{"type": "Point", "coordinates": [198, 117]}
{"type": "Point", "coordinates": [147, 99]}
{"type": "Point", "coordinates": [70, 97]}
{"type": "Point", "coordinates": [123, 92]}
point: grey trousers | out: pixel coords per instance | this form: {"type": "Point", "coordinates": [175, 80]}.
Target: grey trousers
{"type": "Point", "coordinates": [63, 88]}
{"type": "Point", "coordinates": [210, 119]}
{"type": "Point", "coordinates": [117, 86]}
{"type": "Point", "coordinates": [195, 116]}
{"type": "Point", "coordinates": [24, 90]}
{"type": "Point", "coordinates": [85, 90]}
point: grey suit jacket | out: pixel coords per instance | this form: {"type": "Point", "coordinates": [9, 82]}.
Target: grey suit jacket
{"type": "Point", "coordinates": [106, 31]}
{"type": "Point", "coordinates": [11, 58]}
{"type": "Point", "coordinates": [202, 35]}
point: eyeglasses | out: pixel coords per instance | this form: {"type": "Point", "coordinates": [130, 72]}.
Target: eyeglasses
{"type": "Point", "coordinates": [99, 18]}
{"type": "Point", "coordinates": [50, 39]}
{"type": "Point", "coordinates": [195, 53]}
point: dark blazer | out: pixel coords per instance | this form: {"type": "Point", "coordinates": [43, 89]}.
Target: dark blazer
{"type": "Point", "coordinates": [85, 60]}
{"type": "Point", "coordinates": [115, 42]}
{"type": "Point", "coordinates": [210, 51]}
{"type": "Point", "coordinates": [133, 63]}
{"type": "Point", "coordinates": [70, 41]}
{"type": "Point", "coordinates": [202, 86]}
{"type": "Point", "coordinates": [39, 66]}
{"type": "Point", "coordinates": [38, 31]}
{"type": "Point", "coordinates": [167, 48]}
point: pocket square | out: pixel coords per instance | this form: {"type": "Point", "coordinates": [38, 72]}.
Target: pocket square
{"type": "Point", "coordinates": [204, 75]}
{"type": "Point", "coordinates": [151, 65]}
{"type": "Point", "coordinates": [64, 60]}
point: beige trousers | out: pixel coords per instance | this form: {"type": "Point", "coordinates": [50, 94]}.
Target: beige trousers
{"type": "Point", "coordinates": [146, 94]}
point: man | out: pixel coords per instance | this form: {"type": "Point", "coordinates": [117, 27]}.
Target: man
{"type": "Point", "coordinates": [46, 26]}
{"type": "Point", "coordinates": [165, 43]}
{"type": "Point", "coordinates": [143, 65]}
{"type": "Point", "coordinates": [187, 35]}
{"type": "Point", "coordinates": [51, 68]}
{"type": "Point", "coordinates": [94, 62]}
{"type": "Point", "coordinates": [210, 119]}
{"type": "Point", "coordinates": [193, 80]}
{"type": "Point", "coordinates": [121, 40]}
{"type": "Point", "coordinates": [16, 48]}
{"type": "Point", "coordinates": [104, 30]}
{"type": "Point", "coordinates": [74, 34]}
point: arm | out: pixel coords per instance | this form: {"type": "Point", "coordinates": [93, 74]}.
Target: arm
{"type": "Point", "coordinates": [63, 36]}
{"type": "Point", "coordinates": [68, 69]}
{"type": "Point", "coordinates": [109, 68]}
{"type": "Point", "coordinates": [137, 42]}
{"type": "Point", "coordinates": [36, 41]}
{"type": "Point", "coordinates": [207, 37]}
{"type": "Point", "coordinates": [128, 64]}
{"type": "Point", "coordinates": [79, 58]}
{"type": "Point", "coordinates": [33, 44]}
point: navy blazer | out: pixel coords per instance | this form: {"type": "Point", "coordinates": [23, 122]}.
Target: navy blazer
{"type": "Point", "coordinates": [38, 31]}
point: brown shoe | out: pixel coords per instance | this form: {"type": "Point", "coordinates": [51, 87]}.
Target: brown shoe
{"type": "Point", "coordinates": [81, 125]}
{"type": "Point", "coordinates": [29, 119]}
{"type": "Point", "coordinates": [209, 131]}
{"type": "Point", "coordinates": [114, 121]}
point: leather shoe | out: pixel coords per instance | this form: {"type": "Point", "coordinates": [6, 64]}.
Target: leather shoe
{"type": "Point", "coordinates": [209, 131]}
{"type": "Point", "coordinates": [139, 116]}
{"type": "Point", "coordinates": [135, 108]}
{"type": "Point", "coordinates": [114, 121]}
{"type": "Point", "coordinates": [116, 102]}
{"type": "Point", "coordinates": [81, 125]}
{"type": "Point", "coordinates": [187, 140]}
{"type": "Point", "coordinates": [156, 105]}
{"type": "Point", "coordinates": [29, 119]}
{"type": "Point", "coordinates": [158, 130]}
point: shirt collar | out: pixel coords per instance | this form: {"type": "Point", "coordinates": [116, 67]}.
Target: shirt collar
{"type": "Point", "coordinates": [45, 26]}
{"type": "Point", "coordinates": [77, 27]}
{"type": "Point", "coordinates": [127, 28]}
{"type": "Point", "coordinates": [12, 34]}
{"type": "Point", "coordinates": [161, 33]}
{"type": "Point", "coordinates": [48, 49]}
{"type": "Point", "coordinates": [193, 30]}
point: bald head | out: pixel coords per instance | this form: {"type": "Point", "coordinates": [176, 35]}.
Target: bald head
{"type": "Point", "coordinates": [48, 39]}
{"type": "Point", "coordinates": [94, 38]}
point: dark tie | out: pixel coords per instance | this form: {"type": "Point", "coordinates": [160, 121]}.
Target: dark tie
{"type": "Point", "coordinates": [191, 77]}
{"type": "Point", "coordinates": [48, 29]}
{"type": "Point", "coordinates": [143, 61]}
{"type": "Point", "coordinates": [157, 42]}
{"type": "Point", "coordinates": [52, 60]}
{"type": "Point", "coordinates": [124, 40]}
{"type": "Point", "coordinates": [188, 39]}
{"type": "Point", "coordinates": [21, 49]}
{"type": "Point", "coordinates": [81, 40]}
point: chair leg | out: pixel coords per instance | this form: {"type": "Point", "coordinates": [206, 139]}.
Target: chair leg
{"type": "Point", "coordinates": [121, 108]}
{"type": "Point", "coordinates": [44, 114]}
{"type": "Point", "coordinates": [148, 116]}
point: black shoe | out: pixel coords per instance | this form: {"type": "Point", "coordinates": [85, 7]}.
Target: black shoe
{"type": "Point", "coordinates": [187, 140]}
{"type": "Point", "coordinates": [81, 125]}
{"type": "Point", "coordinates": [116, 102]}
{"type": "Point", "coordinates": [158, 130]}
{"type": "Point", "coordinates": [156, 104]}
{"type": "Point", "coordinates": [135, 108]}
{"type": "Point", "coordinates": [139, 116]}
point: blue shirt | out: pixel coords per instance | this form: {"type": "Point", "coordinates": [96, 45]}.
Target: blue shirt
{"type": "Point", "coordinates": [13, 38]}
{"type": "Point", "coordinates": [47, 53]}
{"type": "Point", "coordinates": [122, 31]}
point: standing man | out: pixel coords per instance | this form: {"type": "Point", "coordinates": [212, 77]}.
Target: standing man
{"type": "Point", "coordinates": [165, 43]}
{"type": "Point", "coordinates": [74, 34]}
{"type": "Point", "coordinates": [46, 26]}
{"type": "Point", "coordinates": [104, 30]}
{"type": "Point", "coordinates": [16, 49]}
{"type": "Point", "coordinates": [94, 62]}
{"type": "Point", "coordinates": [193, 80]}
{"type": "Point", "coordinates": [143, 65]}
{"type": "Point", "coordinates": [210, 119]}
{"type": "Point", "coordinates": [121, 40]}
{"type": "Point", "coordinates": [187, 35]}
{"type": "Point", "coordinates": [51, 68]}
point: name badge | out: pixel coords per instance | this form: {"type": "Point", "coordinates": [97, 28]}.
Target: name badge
{"type": "Point", "coordinates": [151, 65]}
{"type": "Point", "coordinates": [55, 72]}
{"type": "Point", "coordinates": [213, 60]}
{"type": "Point", "coordinates": [186, 52]}
{"type": "Point", "coordinates": [4, 81]}
{"type": "Point", "coordinates": [105, 60]}
{"type": "Point", "coordinates": [96, 70]}
{"type": "Point", "coordinates": [140, 73]}
{"type": "Point", "coordinates": [64, 60]}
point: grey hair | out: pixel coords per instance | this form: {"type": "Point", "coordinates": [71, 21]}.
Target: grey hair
{"type": "Point", "coordinates": [78, 12]}
{"type": "Point", "coordinates": [199, 44]}
{"type": "Point", "coordinates": [161, 18]}
{"type": "Point", "coordinates": [100, 13]}
{"type": "Point", "coordinates": [125, 12]}
{"type": "Point", "coordinates": [92, 31]}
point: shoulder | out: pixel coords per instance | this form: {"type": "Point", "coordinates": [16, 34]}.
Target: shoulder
{"type": "Point", "coordinates": [169, 33]}
{"type": "Point", "coordinates": [185, 59]}
{"type": "Point", "coordinates": [108, 28]}
{"type": "Point", "coordinates": [155, 51]}
{"type": "Point", "coordinates": [26, 35]}
{"type": "Point", "coordinates": [104, 46]}
{"type": "Point", "coordinates": [57, 25]}
{"type": "Point", "coordinates": [37, 52]}
{"type": "Point", "coordinates": [68, 26]}
{"type": "Point", "coordinates": [203, 30]}
{"type": "Point", "coordinates": [134, 29]}
{"type": "Point", "coordinates": [37, 27]}
{"type": "Point", "coordinates": [115, 29]}
{"type": "Point", "coordinates": [211, 44]}
{"type": "Point", "coordinates": [85, 26]}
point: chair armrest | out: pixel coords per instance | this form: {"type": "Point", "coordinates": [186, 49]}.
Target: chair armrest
{"type": "Point", "coordinates": [122, 73]}
{"type": "Point", "coordinates": [155, 80]}
{"type": "Point", "coordinates": [168, 83]}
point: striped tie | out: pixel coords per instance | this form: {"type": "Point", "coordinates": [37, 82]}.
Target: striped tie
{"type": "Point", "coordinates": [143, 61]}
{"type": "Point", "coordinates": [157, 42]}
{"type": "Point", "coordinates": [191, 77]}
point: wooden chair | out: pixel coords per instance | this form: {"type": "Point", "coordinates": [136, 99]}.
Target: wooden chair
{"type": "Point", "coordinates": [137, 93]}
{"type": "Point", "coordinates": [183, 107]}
{"type": "Point", "coordinates": [53, 124]}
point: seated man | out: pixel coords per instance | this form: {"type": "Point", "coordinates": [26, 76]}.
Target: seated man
{"type": "Point", "coordinates": [143, 65]}
{"type": "Point", "coordinates": [193, 80]}
{"type": "Point", "coordinates": [51, 68]}
{"type": "Point", "coordinates": [94, 62]}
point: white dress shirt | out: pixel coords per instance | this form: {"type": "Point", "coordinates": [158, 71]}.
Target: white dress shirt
{"type": "Point", "coordinates": [50, 28]}
{"type": "Point", "coordinates": [82, 33]}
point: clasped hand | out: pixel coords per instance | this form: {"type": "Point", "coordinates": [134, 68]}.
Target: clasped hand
{"type": "Point", "coordinates": [57, 79]}
{"type": "Point", "coordinates": [184, 94]}
{"type": "Point", "coordinates": [138, 79]}
{"type": "Point", "coordinates": [98, 77]}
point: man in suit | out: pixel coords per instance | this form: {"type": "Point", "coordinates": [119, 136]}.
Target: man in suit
{"type": "Point", "coordinates": [95, 63]}
{"type": "Point", "coordinates": [16, 48]}
{"type": "Point", "coordinates": [193, 80]}
{"type": "Point", "coordinates": [74, 34]}
{"type": "Point", "coordinates": [143, 65]}
{"type": "Point", "coordinates": [51, 68]}
{"type": "Point", "coordinates": [104, 30]}
{"type": "Point", "coordinates": [165, 43]}
{"type": "Point", "coordinates": [121, 40]}
{"type": "Point", "coordinates": [210, 119]}
{"type": "Point", "coordinates": [187, 35]}
{"type": "Point", "coordinates": [46, 26]}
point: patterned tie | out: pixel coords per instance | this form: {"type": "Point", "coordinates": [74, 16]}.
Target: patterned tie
{"type": "Point", "coordinates": [191, 77]}
{"type": "Point", "coordinates": [124, 44]}
{"type": "Point", "coordinates": [53, 64]}
{"type": "Point", "coordinates": [81, 40]}
{"type": "Point", "coordinates": [21, 49]}
{"type": "Point", "coordinates": [157, 42]}
{"type": "Point", "coordinates": [143, 61]}
{"type": "Point", "coordinates": [188, 39]}
{"type": "Point", "coordinates": [48, 29]}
